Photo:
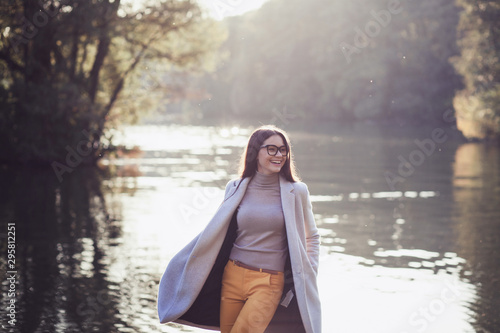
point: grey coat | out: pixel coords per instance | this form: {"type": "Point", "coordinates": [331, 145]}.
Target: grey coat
{"type": "Point", "coordinates": [189, 290]}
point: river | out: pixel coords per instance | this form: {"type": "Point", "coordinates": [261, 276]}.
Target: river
{"type": "Point", "coordinates": [409, 219]}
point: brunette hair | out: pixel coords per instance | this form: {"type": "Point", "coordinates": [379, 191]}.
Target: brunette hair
{"type": "Point", "coordinates": [248, 161]}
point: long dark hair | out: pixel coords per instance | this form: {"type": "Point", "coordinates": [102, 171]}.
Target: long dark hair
{"type": "Point", "coordinates": [248, 161]}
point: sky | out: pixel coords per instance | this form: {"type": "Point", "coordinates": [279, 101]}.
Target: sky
{"type": "Point", "coordinates": [218, 8]}
{"type": "Point", "coordinates": [224, 8]}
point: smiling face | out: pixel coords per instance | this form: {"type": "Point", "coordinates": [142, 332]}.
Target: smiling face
{"type": "Point", "coordinates": [268, 164]}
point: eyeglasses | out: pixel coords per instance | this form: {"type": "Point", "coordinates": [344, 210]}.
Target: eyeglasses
{"type": "Point", "coordinates": [273, 150]}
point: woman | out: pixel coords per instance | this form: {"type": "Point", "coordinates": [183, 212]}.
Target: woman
{"type": "Point", "coordinates": [253, 268]}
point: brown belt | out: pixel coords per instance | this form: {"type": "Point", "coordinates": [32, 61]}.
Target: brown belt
{"type": "Point", "coordinates": [240, 264]}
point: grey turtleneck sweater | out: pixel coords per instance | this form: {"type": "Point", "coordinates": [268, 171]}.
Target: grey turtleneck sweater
{"type": "Point", "coordinates": [261, 236]}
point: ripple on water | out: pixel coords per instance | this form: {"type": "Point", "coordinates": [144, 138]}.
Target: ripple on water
{"type": "Point", "coordinates": [391, 299]}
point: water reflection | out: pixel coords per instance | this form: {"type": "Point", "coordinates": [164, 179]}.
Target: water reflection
{"type": "Point", "coordinates": [59, 235]}
{"type": "Point", "coordinates": [476, 192]}
{"type": "Point", "coordinates": [420, 258]}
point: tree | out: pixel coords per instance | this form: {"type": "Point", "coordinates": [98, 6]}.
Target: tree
{"type": "Point", "coordinates": [70, 69]}
{"type": "Point", "coordinates": [478, 105]}
{"type": "Point", "coordinates": [343, 60]}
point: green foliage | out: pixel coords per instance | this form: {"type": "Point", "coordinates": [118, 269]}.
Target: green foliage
{"type": "Point", "coordinates": [478, 105]}
{"type": "Point", "coordinates": [75, 66]}
{"type": "Point", "coordinates": [340, 59]}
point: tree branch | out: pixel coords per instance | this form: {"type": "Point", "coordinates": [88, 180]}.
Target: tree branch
{"type": "Point", "coordinates": [121, 81]}
{"type": "Point", "coordinates": [102, 49]}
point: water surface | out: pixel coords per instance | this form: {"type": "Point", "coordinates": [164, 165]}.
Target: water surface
{"type": "Point", "coordinates": [405, 248]}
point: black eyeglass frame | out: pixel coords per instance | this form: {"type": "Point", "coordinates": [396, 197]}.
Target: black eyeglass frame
{"type": "Point", "coordinates": [278, 149]}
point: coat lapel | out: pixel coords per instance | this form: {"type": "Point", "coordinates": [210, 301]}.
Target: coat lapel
{"type": "Point", "coordinates": [288, 205]}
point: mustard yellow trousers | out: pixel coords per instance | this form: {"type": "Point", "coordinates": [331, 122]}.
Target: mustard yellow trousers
{"type": "Point", "coordinates": [248, 299]}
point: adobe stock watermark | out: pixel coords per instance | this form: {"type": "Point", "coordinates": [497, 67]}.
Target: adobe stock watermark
{"type": "Point", "coordinates": [75, 157]}
{"type": "Point", "coordinates": [284, 116]}
{"type": "Point", "coordinates": [199, 202]}
{"type": "Point", "coordinates": [425, 148]}
{"type": "Point", "coordinates": [381, 19]}
{"type": "Point", "coordinates": [424, 316]}
{"type": "Point", "coordinates": [11, 278]}
{"type": "Point", "coordinates": [93, 304]}
{"type": "Point", "coordinates": [30, 28]}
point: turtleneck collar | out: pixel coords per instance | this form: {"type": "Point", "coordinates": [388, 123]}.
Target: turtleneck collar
{"type": "Point", "coordinates": [265, 180]}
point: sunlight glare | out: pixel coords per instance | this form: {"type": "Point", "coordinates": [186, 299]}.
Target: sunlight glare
{"type": "Point", "coordinates": [220, 9]}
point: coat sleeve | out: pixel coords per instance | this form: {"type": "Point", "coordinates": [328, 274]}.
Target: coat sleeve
{"type": "Point", "coordinates": [312, 234]}
{"type": "Point", "coordinates": [229, 191]}
{"type": "Point", "coordinates": [171, 303]}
